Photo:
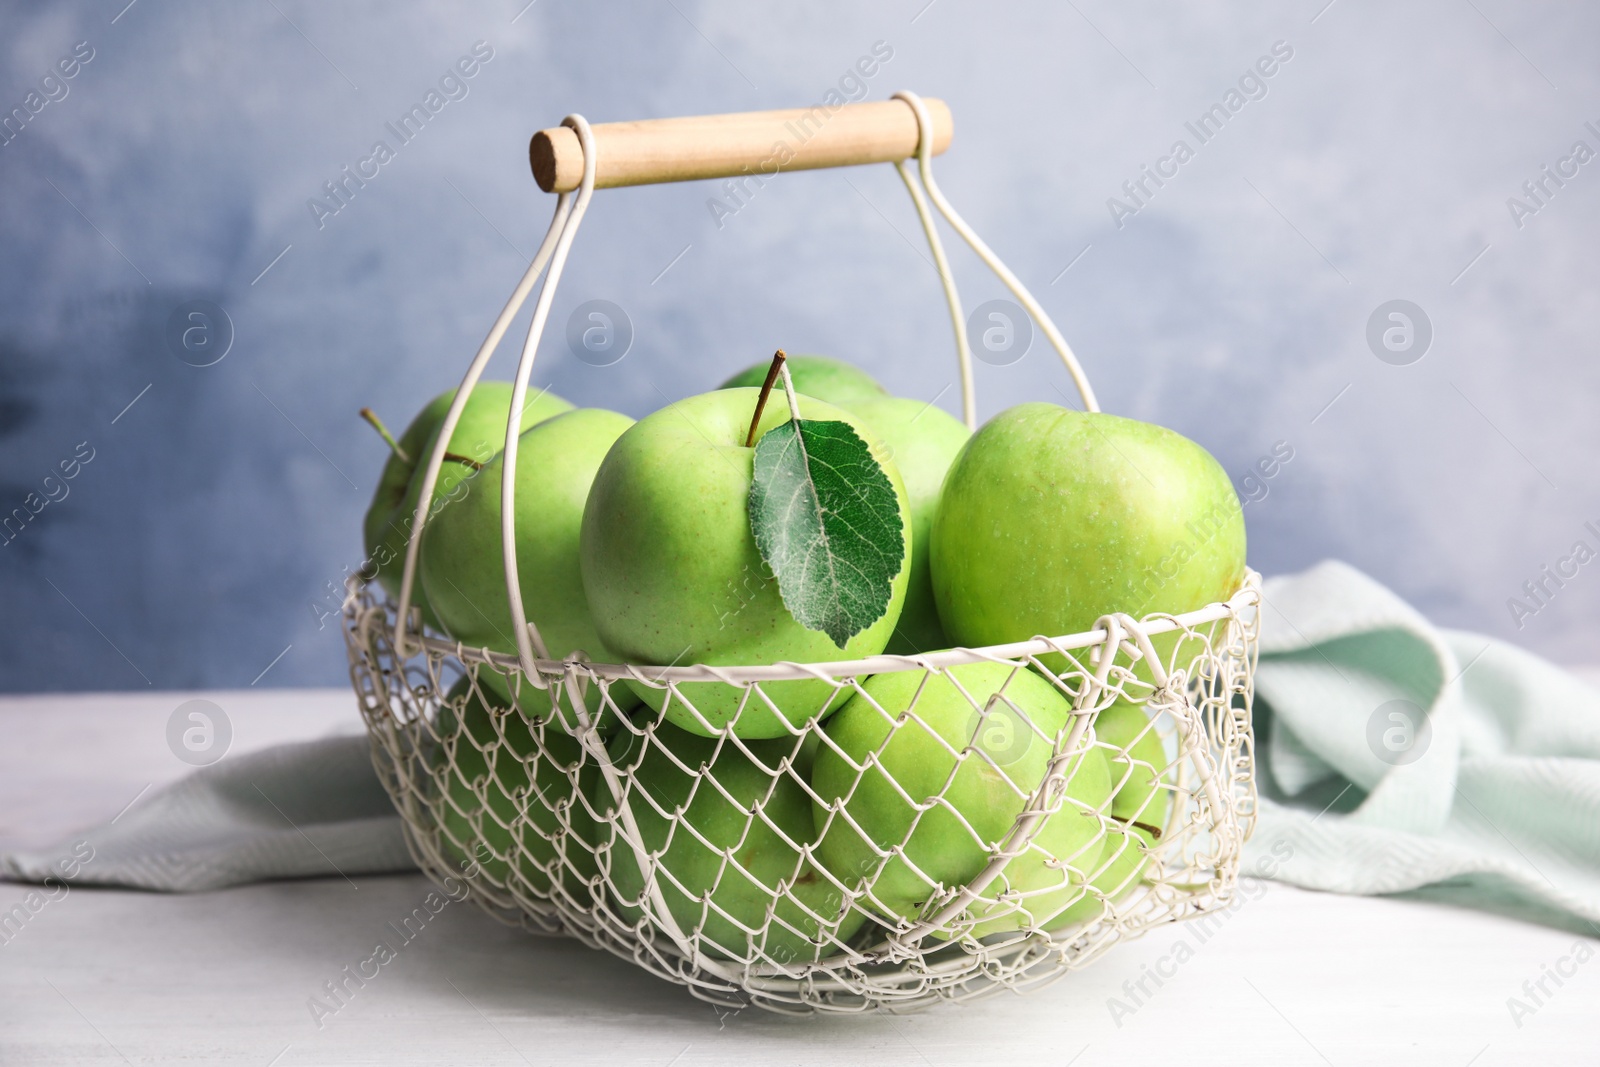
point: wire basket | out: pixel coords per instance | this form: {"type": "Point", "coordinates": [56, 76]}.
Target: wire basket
{"type": "Point", "coordinates": [944, 825]}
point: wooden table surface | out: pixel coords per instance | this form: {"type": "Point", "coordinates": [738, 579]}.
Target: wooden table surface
{"type": "Point", "coordinates": [109, 977]}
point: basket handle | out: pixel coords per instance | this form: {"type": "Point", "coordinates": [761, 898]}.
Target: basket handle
{"type": "Point", "coordinates": [751, 143]}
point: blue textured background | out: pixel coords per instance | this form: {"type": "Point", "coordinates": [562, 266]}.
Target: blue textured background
{"type": "Point", "coordinates": [198, 543]}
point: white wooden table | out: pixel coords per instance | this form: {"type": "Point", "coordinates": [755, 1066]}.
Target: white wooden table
{"type": "Point", "coordinates": [106, 977]}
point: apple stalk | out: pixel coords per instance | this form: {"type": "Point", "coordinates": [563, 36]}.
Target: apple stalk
{"type": "Point", "coordinates": [383, 432]}
{"type": "Point", "coordinates": [394, 446]}
{"type": "Point", "coordinates": [766, 390]}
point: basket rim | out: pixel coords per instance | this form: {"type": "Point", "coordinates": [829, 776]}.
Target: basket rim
{"type": "Point", "coordinates": [1248, 595]}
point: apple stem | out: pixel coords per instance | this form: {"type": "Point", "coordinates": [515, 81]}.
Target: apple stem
{"type": "Point", "coordinates": [456, 457]}
{"type": "Point", "coordinates": [383, 432]}
{"type": "Point", "coordinates": [1153, 831]}
{"type": "Point", "coordinates": [766, 390]}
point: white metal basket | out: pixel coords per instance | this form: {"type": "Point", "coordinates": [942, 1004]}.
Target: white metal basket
{"type": "Point", "coordinates": [549, 822]}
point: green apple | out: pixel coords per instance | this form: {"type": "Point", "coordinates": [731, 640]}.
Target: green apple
{"type": "Point", "coordinates": [1139, 807]}
{"type": "Point", "coordinates": [924, 441]}
{"type": "Point", "coordinates": [1119, 870]}
{"type": "Point", "coordinates": [384, 527]}
{"type": "Point", "coordinates": [1139, 765]}
{"type": "Point", "coordinates": [480, 434]}
{"type": "Point", "coordinates": [729, 831]}
{"type": "Point", "coordinates": [916, 787]}
{"type": "Point", "coordinates": [462, 565]}
{"type": "Point", "coordinates": [508, 800]}
{"type": "Point", "coordinates": [1051, 518]}
{"type": "Point", "coordinates": [833, 380]}
{"type": "Point", "coordinates": [673, 574]}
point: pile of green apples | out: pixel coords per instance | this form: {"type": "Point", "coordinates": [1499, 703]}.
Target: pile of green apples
{"type": "Point", "coordinates": [776, 820]}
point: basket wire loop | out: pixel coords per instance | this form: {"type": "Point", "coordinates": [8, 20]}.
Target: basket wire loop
{"type": "Point", "coordinates": [528, 634]}
{"type": "Point", "coordinates": [992, 261]}
{"type": "Point", "coordinates": [528, 637]}
{"type": "Point", "coordinates": [447, 428]}
{"type": "Point", "coordinates": [553, 879]}
{"type": "Point", "coordinates": [958, 323]}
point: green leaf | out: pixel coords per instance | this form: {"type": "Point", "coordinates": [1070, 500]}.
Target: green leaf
{"type": "Point", "coordinates": [828, 523]}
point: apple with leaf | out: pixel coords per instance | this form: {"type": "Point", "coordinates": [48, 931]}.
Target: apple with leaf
{"type": "Point", "coordinates": [722, 531]}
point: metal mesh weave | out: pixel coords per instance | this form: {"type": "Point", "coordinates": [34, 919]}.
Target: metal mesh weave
{"type": "Point", "coordinates": [959, 823]}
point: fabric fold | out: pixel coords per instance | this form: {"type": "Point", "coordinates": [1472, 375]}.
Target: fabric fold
{"type": "Point", "coordinates": [305, 810]}
{"type": "Point", "coordinates": [1449, 755]}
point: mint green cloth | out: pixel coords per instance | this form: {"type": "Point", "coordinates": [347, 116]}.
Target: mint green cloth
{"type": "Point", "coordinates": [1499, 795]}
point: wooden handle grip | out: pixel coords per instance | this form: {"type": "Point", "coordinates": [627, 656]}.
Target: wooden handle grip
{"type": "Point", "coordinates": [725, 146]}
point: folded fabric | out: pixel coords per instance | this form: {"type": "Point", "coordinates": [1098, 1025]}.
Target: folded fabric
{"type": "Point", "coordinates": [295, 811]}
{"type": "Point", "coordinates": [1398, 755]}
